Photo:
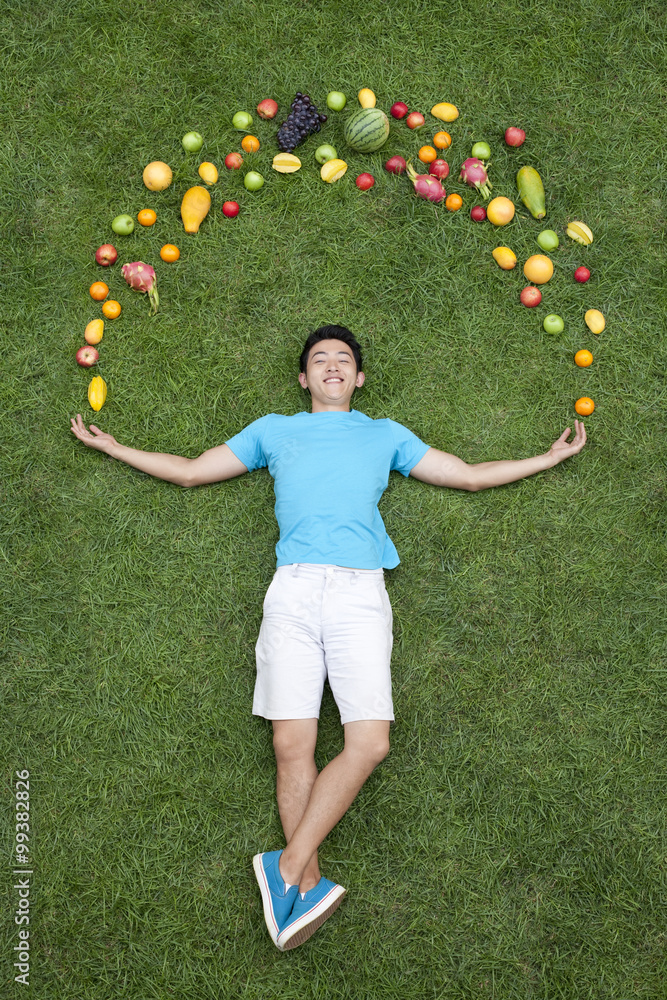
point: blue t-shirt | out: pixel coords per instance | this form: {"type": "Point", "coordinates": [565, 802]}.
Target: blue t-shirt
{"type": "Point", "coordinates": [330, 470]}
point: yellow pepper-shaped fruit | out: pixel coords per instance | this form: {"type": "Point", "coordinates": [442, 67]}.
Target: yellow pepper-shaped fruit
{"type": "Point", "coordinates": [367, 98]}
{"type": "Point", "coordinates": [333, 170]}
{"type": "Point", "coordinates": [594, 320]}
{"type": "Point", "coordinates": [445, 112]}
{"type": "Point", "coordinates": [208, 173]}
{"type": "Point", "coordinates": [286, 163]}
{"type": "Point", "coordinates": [194, 208]}
{"type": "Point", "coordinates": [94, 331]}
{"type": "Point", "coordinates": [97, 392]}
{"type": "Point", "coordinates": [580, 232]}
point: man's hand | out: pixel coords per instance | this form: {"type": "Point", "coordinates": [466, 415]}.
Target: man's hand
{"type": "Point", "coordinates": [562, 449]}
{"type": "Point", "coordinates": [441, 469]}
{"type": "Point", "coordinates": [98, 439]}
{"type": "Point", "coordinates": [212, 466]}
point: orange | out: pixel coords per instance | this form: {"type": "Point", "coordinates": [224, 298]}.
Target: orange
{"type": "Point", "coordinates": [584, 406]}
{"type": "Point", "coordinates": [427, 154]}
{"type": "Point", "coordinates": [453, 202]}
{"type": "Point", "coordinates": [442, 140]}
{"type": "Point", "coordinates": [111, 309]}
{"type": "Point", "coordinates": [170, 253]}
{"type": "Point", "coordinates": [98, 291]}
{"type": "Point", "coordinates": [250, 143]}
{"type": "Point", "coordinates": [583, 359]}
{"type": "Point", "coordinates": [147, 217]}
{"type": "Point", "coordinates": [500, 211]}
{"type": "Point", "coordinates": [538, 269]}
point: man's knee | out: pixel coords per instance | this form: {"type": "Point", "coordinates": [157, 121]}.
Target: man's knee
{"type": "Point", "coordinates": [368, 739]}
{"type": "Point", "coordinates": [294, 739]}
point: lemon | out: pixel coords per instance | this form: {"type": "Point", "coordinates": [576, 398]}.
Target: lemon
{"type": "Point", "coordinates": [504, 257]}
{"type": "Point", "coordinates": [445, 112]}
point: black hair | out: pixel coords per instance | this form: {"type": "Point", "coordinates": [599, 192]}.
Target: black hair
{"type": "Point", "coordinates": [331, 332]}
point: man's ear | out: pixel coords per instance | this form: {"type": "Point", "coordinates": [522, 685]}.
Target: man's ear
{"type": "Point", "coordinates": [361, 378]}
{"type": "Point", "coordinates": [302, 380]}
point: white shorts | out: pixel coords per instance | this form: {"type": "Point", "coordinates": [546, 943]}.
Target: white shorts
{"type": "Point", "coordinates": [325, 622]}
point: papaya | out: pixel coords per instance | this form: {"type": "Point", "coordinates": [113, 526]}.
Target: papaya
{"type": "Point", "coordinates": [194, 208]}
{"type": "Point", "coordinates": [531, 191]}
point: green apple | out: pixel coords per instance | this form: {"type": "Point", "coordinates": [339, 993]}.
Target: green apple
{"type": "Point", "coordinates": [253, 181]}
{"type": "Point", "coordinates": [548, 239]}
{"type": "Point", "coordinates": [325, 153]}
{"type": "Point", "coordinates": [242, 121]}
{"type": "Point", "coordinates": [192, 142]}
{"type": "Point", "coordinates": [336, 100]}
{"type": "Point", "coordinates": [553, 323]}
{"type": "Point", "coordinates": [481, 150]}
{"type": "Point", "coordinates": [123, 225]}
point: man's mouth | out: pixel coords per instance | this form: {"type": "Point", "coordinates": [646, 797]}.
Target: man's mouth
{"type": "Point", "coordinates": [333, 379]}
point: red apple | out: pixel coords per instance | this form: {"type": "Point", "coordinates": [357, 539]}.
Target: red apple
{"type": "Point", "coordinates": [231, 209]}
{"type": "Point", "coordinates": [399, 110]}
{"type": "Point", "coordinates": [365, 181]}
{"type": "Point", "coordinates": [395, 165]}
{"type": "Point", "coordinates": [233, 161]}
{"type": "Point", "coordinates": [106, 254]}
{"type": "Point", "coordinates": [478, 213]}
{"type": "Point", "coordinates": [439, 169]}
{"type": "Point", "coordinates": [515, 136]}
{"type": "Point", "coordinates": [267, 108]}
{"type": "Point", "coordinates": [531, 296]}
{"type": "Point", "coordinates": [582, 274]}
{"type": "Point", "coordinates": [87, 356]}
{"type": "Point", "coordinates": [414, 120]}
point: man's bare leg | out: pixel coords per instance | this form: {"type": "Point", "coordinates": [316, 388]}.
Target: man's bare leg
{"type": "Point", "coordinates": [331, 795]}
{"type": "Point", "coordinates": [294, 744]}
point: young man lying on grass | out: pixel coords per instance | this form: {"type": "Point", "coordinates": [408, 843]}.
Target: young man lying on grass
{"type": "Point", "coordinates": [326, 612]}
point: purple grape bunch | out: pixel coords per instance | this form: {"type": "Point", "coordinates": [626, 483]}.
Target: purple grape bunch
{"type": "Point", "coordinates": [302, 121]}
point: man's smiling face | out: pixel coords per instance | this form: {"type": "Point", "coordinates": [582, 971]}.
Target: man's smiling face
{"type": "Point", "coordinates": [331, 375]}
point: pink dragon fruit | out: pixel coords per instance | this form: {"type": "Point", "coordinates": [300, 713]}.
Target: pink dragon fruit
{"type": "Point", "coordinates": [426, 186]}
{"type": "Point", "coordinates": [141, 277]}
{"type": "Point", "coordinates": [473, 172]}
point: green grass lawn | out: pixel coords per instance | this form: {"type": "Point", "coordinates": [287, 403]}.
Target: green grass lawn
{"type": "Point", "coordinates": [512, 845]}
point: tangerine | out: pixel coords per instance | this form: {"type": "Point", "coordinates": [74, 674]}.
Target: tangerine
{"type": "Point", "coordinates": [538, 268]}
{"type": "Point", "coordinates": [98, 291]}
{"type": "Point", "coordinates": [583, 359]}
{"type": "Point", "coordinates": [147, 217]}
{"type": "Point", "coordinates": [170, 253]}
{"type": "Point", "coordinates": [442, 140]}
{"type": "Point", "coordinates": [584, 406]}
{"type": "Point", "coordinates": [111, 309]}
{"type": "Point", "coordinates": [453, 202]}
{"type": "Point", "coordinates": [427, 154]}
{"type": "Point", "coordinates": [500, 211]}
{"type": "Point", "coordinates": [250, 143]}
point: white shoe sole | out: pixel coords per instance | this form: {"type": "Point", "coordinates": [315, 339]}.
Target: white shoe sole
{"type": "Point", "coordinates": [305, 926]}
{"type": "Point", "coordinates": [269, 917]}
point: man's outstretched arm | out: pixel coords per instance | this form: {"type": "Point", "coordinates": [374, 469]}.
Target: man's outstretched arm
{"type": "Point", "coordinates": [441, 469]}
{"type": "Point", "coordinates": [212, 466]}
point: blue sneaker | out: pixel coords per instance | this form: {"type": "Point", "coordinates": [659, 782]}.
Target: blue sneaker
{"type": "Point", "coordinates": [310, 913]}
{"type": "Point", "coordinates": [277, 902]}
